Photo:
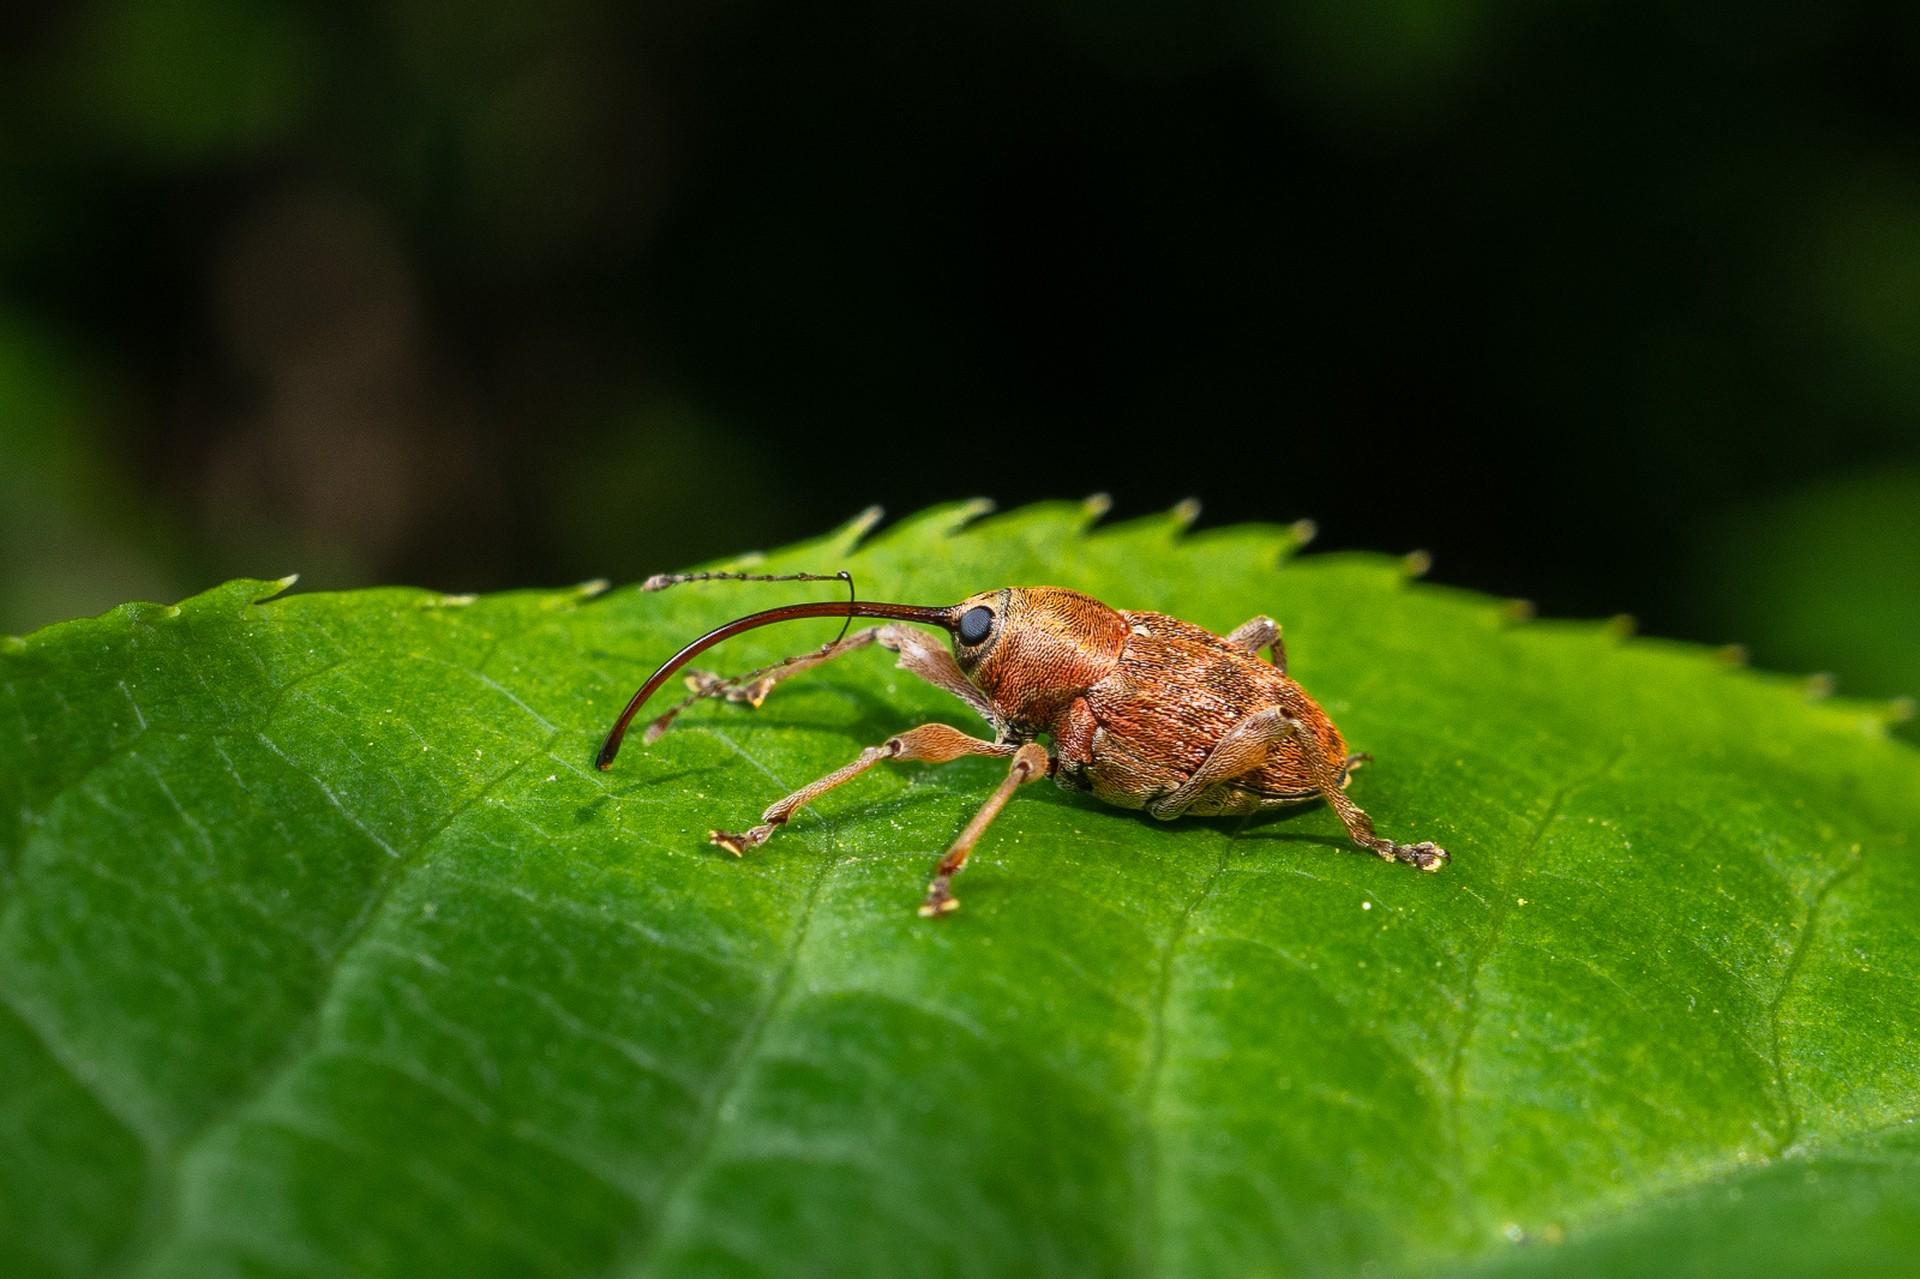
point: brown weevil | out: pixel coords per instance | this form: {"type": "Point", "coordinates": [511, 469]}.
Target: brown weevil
{"type": "Point", "coordinates": [1143, 710]}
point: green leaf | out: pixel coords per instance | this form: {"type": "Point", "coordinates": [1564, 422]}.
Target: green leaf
{"type": "Point", "coordinates": [324, 950]}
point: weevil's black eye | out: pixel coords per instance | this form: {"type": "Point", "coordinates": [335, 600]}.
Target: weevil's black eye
{"type": "Point", "coordinates": [976, 624]}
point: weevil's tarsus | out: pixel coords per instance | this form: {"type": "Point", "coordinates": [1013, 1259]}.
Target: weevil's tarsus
{"type": "Point", "coordinates": [929, 743]}
{"type": "Point", "coordinates": [1030, 763]}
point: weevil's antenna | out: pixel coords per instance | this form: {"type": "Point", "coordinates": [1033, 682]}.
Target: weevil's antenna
{"type": "Point", "coordinates": [946, 618]}
{"type": "Point", "coordinates": [661, 581]}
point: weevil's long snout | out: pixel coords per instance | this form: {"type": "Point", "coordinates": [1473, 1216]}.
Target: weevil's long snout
{"type": "Point", "coordinates": [946, 618]}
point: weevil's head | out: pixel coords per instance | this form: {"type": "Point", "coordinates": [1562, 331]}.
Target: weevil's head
{"type": "Point", "coordinates": [1033, 649]}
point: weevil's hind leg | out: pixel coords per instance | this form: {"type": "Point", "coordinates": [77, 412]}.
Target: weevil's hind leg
{"type": "Point", "coordinates": [1426, 855]}
{"type": "Point", "coordinates": [1241, 750]}
{"type": "Point", "coordinates": [1247, 745]}
{"type": "Point", "coordinates": [929, 743]}
{"type": "Point", "coordinates": [1352, 765]}
{"type": "Point", "coordinates": [1261, 632]}
{"type": "Point", "coordinates": [1030, 763]}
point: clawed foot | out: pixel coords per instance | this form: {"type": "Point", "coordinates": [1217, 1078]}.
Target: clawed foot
{"type": "Point", "coordinates": [940, 898]}
{"type": "Point", "coordinates": [1425, 855]}
{"type": "Point", "coordinates": [738, 844]}
{"type": "Point", "coordinates": [705, 683]}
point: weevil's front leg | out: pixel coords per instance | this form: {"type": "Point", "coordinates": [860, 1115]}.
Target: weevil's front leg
{"type": "Point", "coordinates": [753, 687]}
{"type": "Point", "coordinates": [1247, 745]}
{"type": "Point", "coordinates": [919, 654]}
{"type": "Point", "coordinates": [1261, 632]}
{"type": "Point", "coordinates": [930, 743]}
{"type": "Point", "coordinates": [1030, 763]}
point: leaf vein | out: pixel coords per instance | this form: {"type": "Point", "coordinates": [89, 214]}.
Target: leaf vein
{"type": "Point", "coordinates": [300, 1041]}
{"type": "Point", "coordinates": [677, 1183]}
{"type": "Point", "coordinates": [1502, 907]}
{"type": "Point", "coordinates": [1146, 1153]}
{"type": "Point", "coordinates": [1796, 962]}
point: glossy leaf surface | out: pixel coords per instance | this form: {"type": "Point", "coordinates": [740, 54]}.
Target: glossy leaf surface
{"type": "Point", "coordinates": [325, 951]}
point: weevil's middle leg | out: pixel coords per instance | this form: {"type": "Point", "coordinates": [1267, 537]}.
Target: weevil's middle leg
{"type": "Point", "coordinates": [1030, 763]}
{"type": "Point", "coordinates": [929, 743]}
{"type": "Point", "coordinates": [1261, 632]}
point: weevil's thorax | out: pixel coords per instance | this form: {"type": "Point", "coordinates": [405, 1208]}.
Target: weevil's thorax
{"type": "Point", "coordinates": [1047, 646]}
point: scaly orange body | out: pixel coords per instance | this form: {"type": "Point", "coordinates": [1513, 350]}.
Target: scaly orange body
{"type": "Point", "coordinates": [1135, 702]}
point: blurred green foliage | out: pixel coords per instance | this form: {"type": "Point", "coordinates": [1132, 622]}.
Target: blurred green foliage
{"type": "Point", "coordinates": [66, 532]}
{"type": "Point", "coordinates": [1824, 579]}
{"type": "Point", "coordinates": [178, 83]}
{"type": "Point", "coordinates": [502, 293]}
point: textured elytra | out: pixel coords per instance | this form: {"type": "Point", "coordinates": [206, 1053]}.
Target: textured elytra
{"type": "Point", "coordinates": [324, 950]}
{"type": "Point", "coordinates": [1180, 691]}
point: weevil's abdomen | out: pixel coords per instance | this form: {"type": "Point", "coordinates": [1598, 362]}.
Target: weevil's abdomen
{"type": "Point", "coordinates": [1175, 693]}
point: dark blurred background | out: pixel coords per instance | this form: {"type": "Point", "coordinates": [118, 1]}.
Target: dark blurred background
{"type": "Point", "coordinates": [1612, 305]}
